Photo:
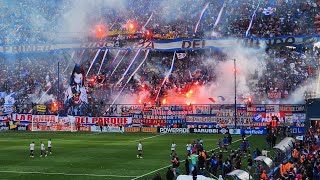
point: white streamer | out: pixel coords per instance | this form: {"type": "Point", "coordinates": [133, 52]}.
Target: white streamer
{"type": "Point", "coordinates": [104, 57]}
{"type": "Point", "coordinates": [94, 59]}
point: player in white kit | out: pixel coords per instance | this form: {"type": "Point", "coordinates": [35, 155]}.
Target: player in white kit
{"type": "Point", "coordinates": [139, 155]}
{"type": "Point", "coordinates": [50, 146]}
{"type": "Point", "coordinates": [43, 150]}
{"type": "Point", "coordinates": [189, 146]}
{"type": "Point", "coordinates": [32, 149]}
{"type": "Point", "coordinates": [173, 149]}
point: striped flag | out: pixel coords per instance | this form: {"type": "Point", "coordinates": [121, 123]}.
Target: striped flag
{"type": "Point", "coordinates": [268, 10]}
{"type": "Point", "coordinates": [181, 55]}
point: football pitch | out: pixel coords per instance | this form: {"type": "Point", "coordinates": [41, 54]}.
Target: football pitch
{"type": "Point", "coordinates": [89, 156]}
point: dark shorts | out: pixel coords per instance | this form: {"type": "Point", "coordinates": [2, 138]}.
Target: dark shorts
{"type": "Point", "coordinates": [139, 151]}
{"type": "Point", "coordinates": [31, 151]}
{"type": "Point", "coordinates": [49, 148]}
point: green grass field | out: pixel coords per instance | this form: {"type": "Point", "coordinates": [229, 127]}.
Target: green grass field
{"type": "Point", "coordinates": [96, 155]}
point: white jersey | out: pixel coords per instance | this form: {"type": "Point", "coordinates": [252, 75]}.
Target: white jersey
{"type": "Point", "coordinates": [42, 147]}
{"type": "Point", "coordinates": [31, 147]}
{"type": "Point", "coordinates": [49, 144]}
{"type": "Point", "coordinates": [188, 147]}
{"type": "Point", "coordinates": [140, 147]}
{"type": "Point", "coordinates": [173, 147]}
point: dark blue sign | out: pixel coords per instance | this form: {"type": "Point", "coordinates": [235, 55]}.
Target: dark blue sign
{"type": "Point", "coordinates": [257, 118]}
{"type": "Point", "coordinates": [254, 131]}
{"type": "Point", "coordinates": [175, 121]}
{"type": "Point", "coordinates": [297, 130]}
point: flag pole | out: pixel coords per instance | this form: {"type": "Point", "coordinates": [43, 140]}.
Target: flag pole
{"type": "Point", "coordinates": [235, 93]}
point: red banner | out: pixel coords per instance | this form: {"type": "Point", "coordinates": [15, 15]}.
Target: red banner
{"type": "Point", "coordinates": [274, 95]}
{"type": "Point", "coordinates": [153, 122]}
{"type": "Point", "coordinates": [58, 127]}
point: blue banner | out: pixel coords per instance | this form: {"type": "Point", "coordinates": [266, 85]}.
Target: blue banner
{"type": "Point", "coordinates": [165, 45]}
{"type": "Point", "coordinates": [297, 130]}
{"type": "Point", "coordinates": [258, 131]}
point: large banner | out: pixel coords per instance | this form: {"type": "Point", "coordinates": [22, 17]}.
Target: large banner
{"type": "Point", "coordinates": [83, 120]}
{"type": "Point", "coordinates": [112, 120]}
{"type": "Point", "coordinates": [166, 45]}
{"type": "Point", "coordinates": [194, 119]}
{"type": "Point", "coordinates": [30, 48]}
{"type": "Point", "coordinates": [28, 118]}
{"type": "Point", "coordinates": [5, 117]}
{"type": "Point", "coordinates": [292, 109]}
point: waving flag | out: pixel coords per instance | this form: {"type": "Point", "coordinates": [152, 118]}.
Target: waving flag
{"type": "Point", "coordinates": [10, 99]}
{"type": "Point", "coordinates": [221, 98]}
{"type": "Point", "coordinates": [212, 100]}
{"type": "Point", "coordinates": [268, 10]}
{"type": "Point", "coordinates": [181, 55]}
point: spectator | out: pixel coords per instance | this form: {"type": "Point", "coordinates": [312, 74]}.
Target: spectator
{"type": "Point", "coordinates": [264, 175]}
{"type": "Point", "coordinates": [250, 162]}
{"type": "Point", "coordinates": [214, 165]}
{"type": "Point", "coordinates": [170, 174]}
{"type": "Point", "coordinates": [194, 173]}
{"type": "Point", "coordinates": [157, 177]}
{"type": "Point", "coordinates": [187, 166]}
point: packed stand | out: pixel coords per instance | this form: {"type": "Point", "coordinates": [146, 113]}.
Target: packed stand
{"type": "Point", "coordinates": [29, 80]}
{"type": "Point", "coordinates": [42, 21]}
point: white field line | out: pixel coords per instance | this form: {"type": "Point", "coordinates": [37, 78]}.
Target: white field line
{"type": "Point", "coordinates": [180, 162]}
{"type": "Point", "coordinates": [65, 174]}
{"type": "Point", "coordinates": [148, 137]}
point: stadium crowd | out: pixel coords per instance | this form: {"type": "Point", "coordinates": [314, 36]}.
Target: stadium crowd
{"type": "Point", "coordinates": [29, 80]}
{"type": "Point", "coordinates": [286, 70]}
{"type": "Point", "coordinates": [167, 22]}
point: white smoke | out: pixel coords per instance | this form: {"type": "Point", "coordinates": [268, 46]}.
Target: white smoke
{"type": "Point", "coordinates": [248, 62]}
{"type": "Point", "coordinates": [299, 95]}
{"type": "Point", "coordinates": [78, 20]}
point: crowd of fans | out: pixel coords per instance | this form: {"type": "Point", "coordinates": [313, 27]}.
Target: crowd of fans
{"type": "Point", "coordinates": [41, 21]}
{"type": "Point", "coordinates": [288, 18]}
{"type": "Point", "coordinates": [32, 75]}
{"type": "Point", "coordinates": [286, 69]}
